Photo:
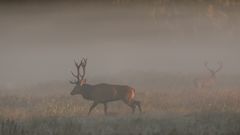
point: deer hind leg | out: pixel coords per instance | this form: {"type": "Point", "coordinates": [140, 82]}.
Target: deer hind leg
{"type": "Point", "coordinates": [91, 108]}
{"type": "Point", "coordinates": [133, 104]}
{"type": "Point", "coordinates": [130, 104]}
{"type": "Point", "coordinates": [105, 108]}
{"type": "Point", "coordinates": [138, 104]}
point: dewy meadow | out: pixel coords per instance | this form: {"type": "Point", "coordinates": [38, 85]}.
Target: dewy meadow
{"type": "Point", "coordinates": [177, 59]}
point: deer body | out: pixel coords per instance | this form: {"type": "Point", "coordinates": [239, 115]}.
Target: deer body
{"type": "Point", "coordinates": [103, 93]}
{"type": "Point", "coordinates": [205, 82]}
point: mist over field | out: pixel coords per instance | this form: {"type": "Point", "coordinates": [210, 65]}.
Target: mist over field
{"type": "Point", "coordinates": [40, 41]}
{"type": "Point", "coordinates": [159, 47]}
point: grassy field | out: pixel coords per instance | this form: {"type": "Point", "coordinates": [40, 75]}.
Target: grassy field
{"type": "Point", "coordinates": [171, 105]}
{"type": "Point", "coordinates": [174, 111]}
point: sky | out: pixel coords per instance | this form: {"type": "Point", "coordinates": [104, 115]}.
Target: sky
{"type": "Point", "coordinates": [39, 42]}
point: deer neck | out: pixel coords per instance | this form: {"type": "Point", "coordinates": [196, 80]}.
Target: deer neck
{"type": "Point", "coordinates": [86, 91]}
{"type": "Point", "coordinates": [213, 76]}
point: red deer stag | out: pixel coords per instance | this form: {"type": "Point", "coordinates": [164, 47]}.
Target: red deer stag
{"type": "Point", "coordinates": [102, 93]}
{"type": "Point", "coordinates": [209, 81]}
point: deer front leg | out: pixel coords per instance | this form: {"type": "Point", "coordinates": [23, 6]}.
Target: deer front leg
{"type": "Point", "coordinates": [105, 108]}
{"type": "Point", "coordinates": [93, 106]}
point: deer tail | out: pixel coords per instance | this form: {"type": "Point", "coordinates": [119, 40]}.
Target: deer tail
{"type": "Point", "coordinates": [132, 94]}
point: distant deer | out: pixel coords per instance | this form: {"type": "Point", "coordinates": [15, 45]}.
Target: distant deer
{"type": "Point", "coordinates": [102, 93]}
{"type": "Point", "coordinates": [209, 81]}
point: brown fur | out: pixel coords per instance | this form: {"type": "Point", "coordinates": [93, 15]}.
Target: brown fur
{"type": "Point", "coordinates": [104, 93]}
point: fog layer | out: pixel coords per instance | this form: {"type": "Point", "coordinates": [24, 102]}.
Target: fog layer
{"type": "Point", "coordinates": [38, 42]}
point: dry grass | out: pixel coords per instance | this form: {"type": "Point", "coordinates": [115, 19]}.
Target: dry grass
{"type": "Point", "coordinates": [165, 112]}
{"type": "Point", "coordinates": [175, 108]}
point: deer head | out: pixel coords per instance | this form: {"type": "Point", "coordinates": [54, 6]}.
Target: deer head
{"type": "Point", "coordinates": [213, 72]}
{"type": "Point", "coordinates": [79, 81]}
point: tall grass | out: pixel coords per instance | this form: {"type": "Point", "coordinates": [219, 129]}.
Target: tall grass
{"type": "Point", "coordinates": [173, 109]}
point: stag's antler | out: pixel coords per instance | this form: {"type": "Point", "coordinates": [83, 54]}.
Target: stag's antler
{"type": "Point", "coordinates": [211, 70]}
{"type": "Point", "coordinates": [79, 76]}
{"type": "Point", "coordinates": [219, 68]}
{"type": "Point", "coordinates": [208, 68]}
{"type": "Point", "coordinates": [83, 64]}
